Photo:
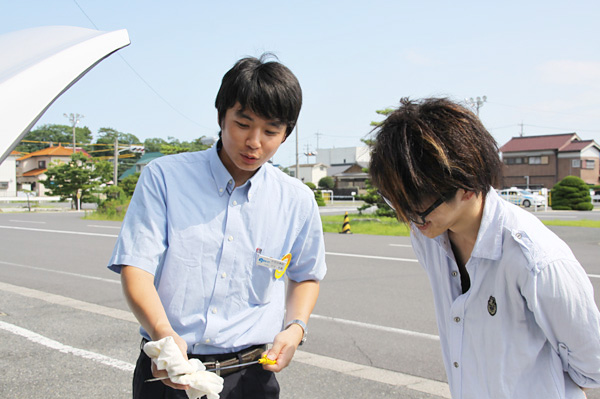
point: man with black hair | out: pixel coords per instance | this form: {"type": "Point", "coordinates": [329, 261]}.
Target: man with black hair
{"type": "Point", "coordinates": [201, 247]}
{"type": "Point", "coordinates": [515, 309]}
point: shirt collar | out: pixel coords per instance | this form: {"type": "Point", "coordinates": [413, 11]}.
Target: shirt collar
{"type": "Point", "coordinates": [223, 180]}
{"type": "Point", "coordinates": [489, 237]}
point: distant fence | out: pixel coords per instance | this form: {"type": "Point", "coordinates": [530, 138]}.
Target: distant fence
{"type": "Point", "coordinates": [330, 198]}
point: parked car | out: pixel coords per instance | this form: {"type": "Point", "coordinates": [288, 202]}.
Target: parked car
{"type": "Point", "coordinates": [522, 197]}
{"type": "Point", "coordinates": [595, 196]}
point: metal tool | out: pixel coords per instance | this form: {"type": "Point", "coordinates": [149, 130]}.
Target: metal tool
{"type": "Point", "coordinates": [262, 360]}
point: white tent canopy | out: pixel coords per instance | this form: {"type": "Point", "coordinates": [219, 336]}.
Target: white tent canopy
{"type": "Point", "coordinates": [38, 65]}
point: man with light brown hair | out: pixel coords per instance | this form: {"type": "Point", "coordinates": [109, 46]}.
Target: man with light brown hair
{"type": "Point", "coordinates": [515, 309]}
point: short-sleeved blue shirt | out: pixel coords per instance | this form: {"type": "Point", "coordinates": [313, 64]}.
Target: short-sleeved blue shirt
{"type": "Point", "coordinates": [199, 235]}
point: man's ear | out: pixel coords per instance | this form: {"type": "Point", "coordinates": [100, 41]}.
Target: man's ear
{"type": "Point", "coordinates": [467, 195]}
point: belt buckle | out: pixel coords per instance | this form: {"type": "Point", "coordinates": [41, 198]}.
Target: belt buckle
{"type": "Point", "coordinates": [217, 368]}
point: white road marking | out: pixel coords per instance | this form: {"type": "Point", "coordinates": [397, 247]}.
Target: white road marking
{"type": "Point", "coordinates": [52, 344]}
{"type": "Point", "coordinates": [27, 221]}
{"type": "Point", "coordinates": [371, 257]}
{"type": "Point", "coordinates": [106, 280]}
{"type": "Point", "coordinates": [104, 227]}
{"type": "Point", "coordinates": [401, 245]}
{"type": "Point", "coordinates": [82, 233]}
{"type": "Point", "coordinates": [594, 275]}
{"type": "Point", "coordinates": [69, 302]}
{"type": "Point", "coordinates": [341, 366]}
{"type": "Point", "coordinates": [114, 235]}
{"type": "Point", "coordinates": [377, 327]}
{"type": "Point", "coordinates": [394, 378]}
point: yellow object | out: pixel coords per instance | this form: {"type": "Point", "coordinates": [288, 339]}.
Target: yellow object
{"type": "Point", "coordinates": [346, 225]}
{"type": "Point", "coordinates": [266, 360]}
{"type": "Point", "coordinates": [287, 258]}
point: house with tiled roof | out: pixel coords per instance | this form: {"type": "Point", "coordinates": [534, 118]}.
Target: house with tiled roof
{"type": "Point", "coordinates": [31, 168]}
{"type": "Point", "coordinates": [8, 175]}
{"type": "Point", "coordinates": [542, 161]}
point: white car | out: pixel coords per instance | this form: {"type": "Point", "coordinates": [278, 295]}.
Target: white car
{"type": "Point", "coordinates": [522, 197]}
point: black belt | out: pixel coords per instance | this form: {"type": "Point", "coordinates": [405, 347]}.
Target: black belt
{"type": "Point", "coordinates": [217, 361]}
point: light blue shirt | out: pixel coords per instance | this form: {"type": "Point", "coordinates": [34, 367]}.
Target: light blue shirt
{"type": "Point", "coordinates": [199, 236]}
{"type": "Point", "coordinates": [528, 327]}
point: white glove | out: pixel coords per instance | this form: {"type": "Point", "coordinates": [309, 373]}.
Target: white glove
{"type": "Point", "coordinates": [167, 356]}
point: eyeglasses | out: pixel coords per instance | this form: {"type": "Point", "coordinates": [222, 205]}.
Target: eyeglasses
{"type": "Point", "coordinates": [419, 217]}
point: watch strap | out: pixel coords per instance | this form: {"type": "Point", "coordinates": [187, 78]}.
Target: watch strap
{"type": "Point", "coordinates": [302, 325]}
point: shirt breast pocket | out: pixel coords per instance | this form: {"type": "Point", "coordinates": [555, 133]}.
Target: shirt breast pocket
{"type": "Point", "coordinates": [261, 283]}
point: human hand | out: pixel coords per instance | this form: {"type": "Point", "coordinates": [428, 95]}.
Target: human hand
{"type": "Point", "coordinates": [284, 347]}
{"type": "Point", "coordinates": [163, 373]}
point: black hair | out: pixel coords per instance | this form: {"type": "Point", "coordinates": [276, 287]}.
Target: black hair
{"type": "Point", "coordinates": [267, 88]}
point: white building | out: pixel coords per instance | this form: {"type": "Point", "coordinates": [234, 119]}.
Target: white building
{"type": "Point", "coordinates": [343, 156]}
{"type": "Point", "coordinates": [8, 176]}
{"type": "Point", "coordinates": [309, 173]}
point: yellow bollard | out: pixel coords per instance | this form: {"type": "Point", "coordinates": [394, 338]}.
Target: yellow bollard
{"type": "Point", "coordinates": [346, 225]}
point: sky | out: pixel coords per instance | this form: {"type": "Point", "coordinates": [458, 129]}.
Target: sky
{"type": "Point", "coordinates": [537, 63]}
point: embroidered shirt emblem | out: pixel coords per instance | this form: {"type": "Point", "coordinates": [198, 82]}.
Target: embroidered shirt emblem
{"type": "Point", "coordinates": [492, 307]}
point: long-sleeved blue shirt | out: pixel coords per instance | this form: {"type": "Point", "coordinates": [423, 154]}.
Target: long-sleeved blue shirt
{"type": "Point", "coordinates": [528, 326]}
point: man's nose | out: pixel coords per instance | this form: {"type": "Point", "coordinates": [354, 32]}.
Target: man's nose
{"type": "Point", "coordinates": [253, 139]}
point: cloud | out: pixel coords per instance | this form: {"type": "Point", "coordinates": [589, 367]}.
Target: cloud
{"type": "Point", "coordinates": [568, 72]}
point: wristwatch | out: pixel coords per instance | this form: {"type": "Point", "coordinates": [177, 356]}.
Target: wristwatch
{"type": "Point", "coordinates": [302, 325]}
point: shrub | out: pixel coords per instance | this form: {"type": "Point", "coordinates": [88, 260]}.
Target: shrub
{"type": "Point", "coordinates": [571, 193]}
{"type": "Point", "coordinates": [327, 183]}
{"type": "Point", "coordinates": [318, 195]}
{"type": "Point", "coordinates": [128, 184]}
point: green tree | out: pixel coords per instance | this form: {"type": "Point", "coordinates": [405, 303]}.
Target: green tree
{"type": "Point", "coordinates": [80, 175]}
{"type": "Point", "coordinates": [372, 197]}
{"type": "Point", "coordinates": [128, 184]}
{"type": "Point", "coordinates": [571, 193]}
{"type": "Point", "coordinates": [45, 134]}
{"type": "Point", "coordinates": [154, 144]}
{"type": "Point", "coordinates": [327, 183]}
{"type": "Point", "coordinates": [174, 146]}
{"type": "Point", "coordinates": [105, 147]}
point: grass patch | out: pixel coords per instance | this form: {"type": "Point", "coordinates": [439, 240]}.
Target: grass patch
{"type": "Point", "coordinates": [365, 224]}
{"type": "Point", "coordinates": [93, 215]}
{"type": "Point", "coordinates": [573, 223]}
{"type": "Point", "coordinates": [359, 224]}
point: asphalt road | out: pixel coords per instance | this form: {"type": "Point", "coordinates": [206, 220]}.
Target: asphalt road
{"type": "Point", "coordinates": [65, 331]}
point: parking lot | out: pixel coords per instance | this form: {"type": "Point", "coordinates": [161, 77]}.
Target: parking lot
{"type": "Point", "coordinates": [65, 331]}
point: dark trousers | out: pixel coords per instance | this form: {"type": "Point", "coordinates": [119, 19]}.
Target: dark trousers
{"type": "Point", "coordinates": [249, 383]}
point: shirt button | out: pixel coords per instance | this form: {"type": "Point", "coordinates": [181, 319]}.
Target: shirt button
{"type": "Point", "coordinates": [456, 364]}
{"type": "Point", "coordinates": [220, 190]}
{"type": "Point", "coordinates": [457, 319]}
{"type": "Point", "coordinates": [207, 340]}
{"type": "Point", "coordinates": [230, 238]}
{"type": "Point", "coordinates": [214, 310]}
{"type": "Point", "coordinates": [518, 235]}
{"type": "Point", "coordinates": [234, 203]}
{"type": "Point", "coordinates": [223, 275]}
{"type": "Point", "coordinates": [454, 273]}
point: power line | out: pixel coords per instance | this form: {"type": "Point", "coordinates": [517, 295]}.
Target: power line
{"type": "Point", "coordinates": [144, 80]}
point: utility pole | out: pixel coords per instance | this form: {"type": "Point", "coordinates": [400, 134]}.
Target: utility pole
{"type": "Point", "coordinates": [476, 103]}
{"type": "Point", "coordinates": [74, 119]}
{"type": "Point", "coordinates": [318, 134]}
{"type": "Point", "coordinates": [116, 160]}
{"type": "Point", "coordinates": [521, 134]}
{"type": "Point", "coordinates": [297, 163]}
